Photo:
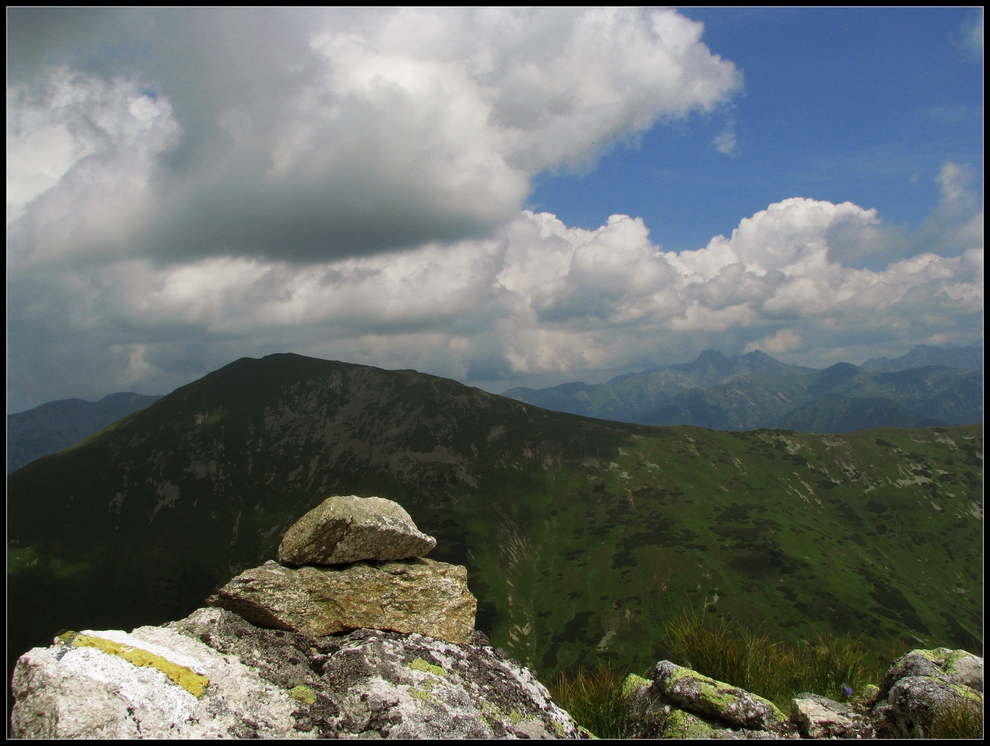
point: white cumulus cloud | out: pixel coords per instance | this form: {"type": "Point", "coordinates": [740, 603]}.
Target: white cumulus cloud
{"type": "Point", "coordinates": [315, 135]}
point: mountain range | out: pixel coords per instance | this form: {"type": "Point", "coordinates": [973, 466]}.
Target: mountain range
{"type": "Point", "coordinates": [650, 397]}
{"type": "Point", "coordinates": [581, 536]}
{"type": "Point", "coordinates": [60, 424]}
{"type": "Point", "coordinates": [967, 358]}
{"type": "Point", "coordinates": [755, 391]}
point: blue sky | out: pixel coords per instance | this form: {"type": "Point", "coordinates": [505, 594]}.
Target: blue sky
{"type": "Point", "coordinates": [500, 196]}
{"type": "Point", "coordinates": [863, 105]}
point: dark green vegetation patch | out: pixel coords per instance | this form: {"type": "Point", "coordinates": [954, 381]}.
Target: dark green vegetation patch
{"type": "Point", "coordinates": [582, 537]}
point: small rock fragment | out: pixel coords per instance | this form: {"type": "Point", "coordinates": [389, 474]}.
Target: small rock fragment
{"type": "Point", "coordinates": [815, 720]}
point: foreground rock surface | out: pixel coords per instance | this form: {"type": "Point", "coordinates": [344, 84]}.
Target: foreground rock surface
{"type": "Point", "coordinates": [351, 529]}
{"type": "Point", "coordinates": [917, 689]}
{"type": "Point", "coordinates": [276, 684]}
{"type": "Point", "coordinates": [420, 595]}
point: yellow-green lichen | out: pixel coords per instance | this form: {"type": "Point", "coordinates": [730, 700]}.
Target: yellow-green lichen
{"type": "Point", "coordinates": [188, 679]}
{"type": "Point", "coordinates": [935, 655]}
{"type": "Point", "coordinates": [719, 694]}
{"type": "Point", "coordinates": [953, 658]}
{"type": "Point", "coordinates": [424, 693]}
{"type": "Point", "coordinates": [516, 717]}
{"type": "Point", "coordinates": [303, 693]}
{"type": "Point", "coordinates": [683, 725]}
{"type": "Point", "coordinates": [632, 682]}
{"type": "Point", "coordinates": [870, 691]}
{"type": "Point", "coordinates": [966, 692]}
{"type": "Point", "coordinates": [419, 664]}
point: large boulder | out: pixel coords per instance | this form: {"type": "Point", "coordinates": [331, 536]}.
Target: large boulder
{"type": "Point", "coordinates": [704, 696]}
{"type": "Point", "coordinates": [215, 675]}
{"type": "Point", "coordinates": [350, 529]}
{"type": "Point", "coordinates": [418, 595]}
{"type": "Point", "coordinates": [152, 683]}
{"type": "Point", "coordinates": [921, 687]}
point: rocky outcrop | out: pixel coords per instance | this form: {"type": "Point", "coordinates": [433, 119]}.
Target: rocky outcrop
{"type": "Point", "coordinates": [419, 595]}
{"type": "Point", "coordinates": [267, 660]}
{"type": "Point", "coordinates": [918, 689]}
{"type": "Point", "coordinates": [350, 529]}
{"type": "Point", "coordinates": [215, 675]}
{"type": "Point", "coordinates": [363, 569]}
{"type": "Point", "coordinates": [922, 685]}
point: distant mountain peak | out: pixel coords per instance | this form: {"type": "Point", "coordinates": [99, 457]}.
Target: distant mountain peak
{"type": "Point", "coordinates": [710, 355]}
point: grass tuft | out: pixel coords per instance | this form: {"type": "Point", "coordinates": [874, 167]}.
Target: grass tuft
{"type": "Point", "coordinates": [961, 719]}
{"type": "Point", "coordinates": [595, 700]}
{"type": "Point", "coordinates": [834, 667]}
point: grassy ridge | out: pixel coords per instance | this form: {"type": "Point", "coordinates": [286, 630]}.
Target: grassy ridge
{"type": "Point", "coordinates": [794, 533]}
{"type": "Point", "coordinates": [582, 537]}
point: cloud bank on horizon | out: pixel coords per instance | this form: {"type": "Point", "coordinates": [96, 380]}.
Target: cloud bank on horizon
{"type": "Point", "coordinates": [186, 187]}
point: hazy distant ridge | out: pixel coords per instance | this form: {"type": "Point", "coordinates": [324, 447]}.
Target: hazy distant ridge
{"type": "Point", "coordinates": [59, 424]}
{"type": "Point", "coordinates": [754, 391]}
{"type": "Point", "coordinates": [967, 358]}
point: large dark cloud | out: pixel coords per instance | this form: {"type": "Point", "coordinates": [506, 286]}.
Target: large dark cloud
{"type": "Point", "coordinates": [314, 135]}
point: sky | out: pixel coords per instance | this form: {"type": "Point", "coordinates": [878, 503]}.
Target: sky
{"type": "Point", "coordinates": [501, 197]}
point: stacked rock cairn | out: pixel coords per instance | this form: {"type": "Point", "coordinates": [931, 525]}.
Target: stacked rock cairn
{"type": "Point", "coordinates": [354, 563]}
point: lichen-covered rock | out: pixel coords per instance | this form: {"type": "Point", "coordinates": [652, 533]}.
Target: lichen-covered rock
{"type": "Point", "coordinates": [351, 529]}
{"type": "Point", "coordinates": [915, 702]}
{"type": "Point", "coordinates": [418, 595]}
{"type": "Point", "coordinates": [680, 724]}
{"type": "Point", "coordinates": [151, 683]}
{"type": "Point", "coordinates": [914, 663]}
{"type": "Point", "coordinates": [704, 696]}
{"type": "Point", "coordinates": [921, 685]}
{"type": "Point", "coordinates": [280, 684]}
{"type": "Point", "coordinates": [965, 669]}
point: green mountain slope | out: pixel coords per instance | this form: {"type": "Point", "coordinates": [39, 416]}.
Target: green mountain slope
{"type": "Point", "coordinates": [581, 536]}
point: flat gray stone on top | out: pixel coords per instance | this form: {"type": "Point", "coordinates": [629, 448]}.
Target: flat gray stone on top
{"type": "Point", "coordinates": [415, 595]}
{"type": "Point", "coordinates": [351, 529]}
